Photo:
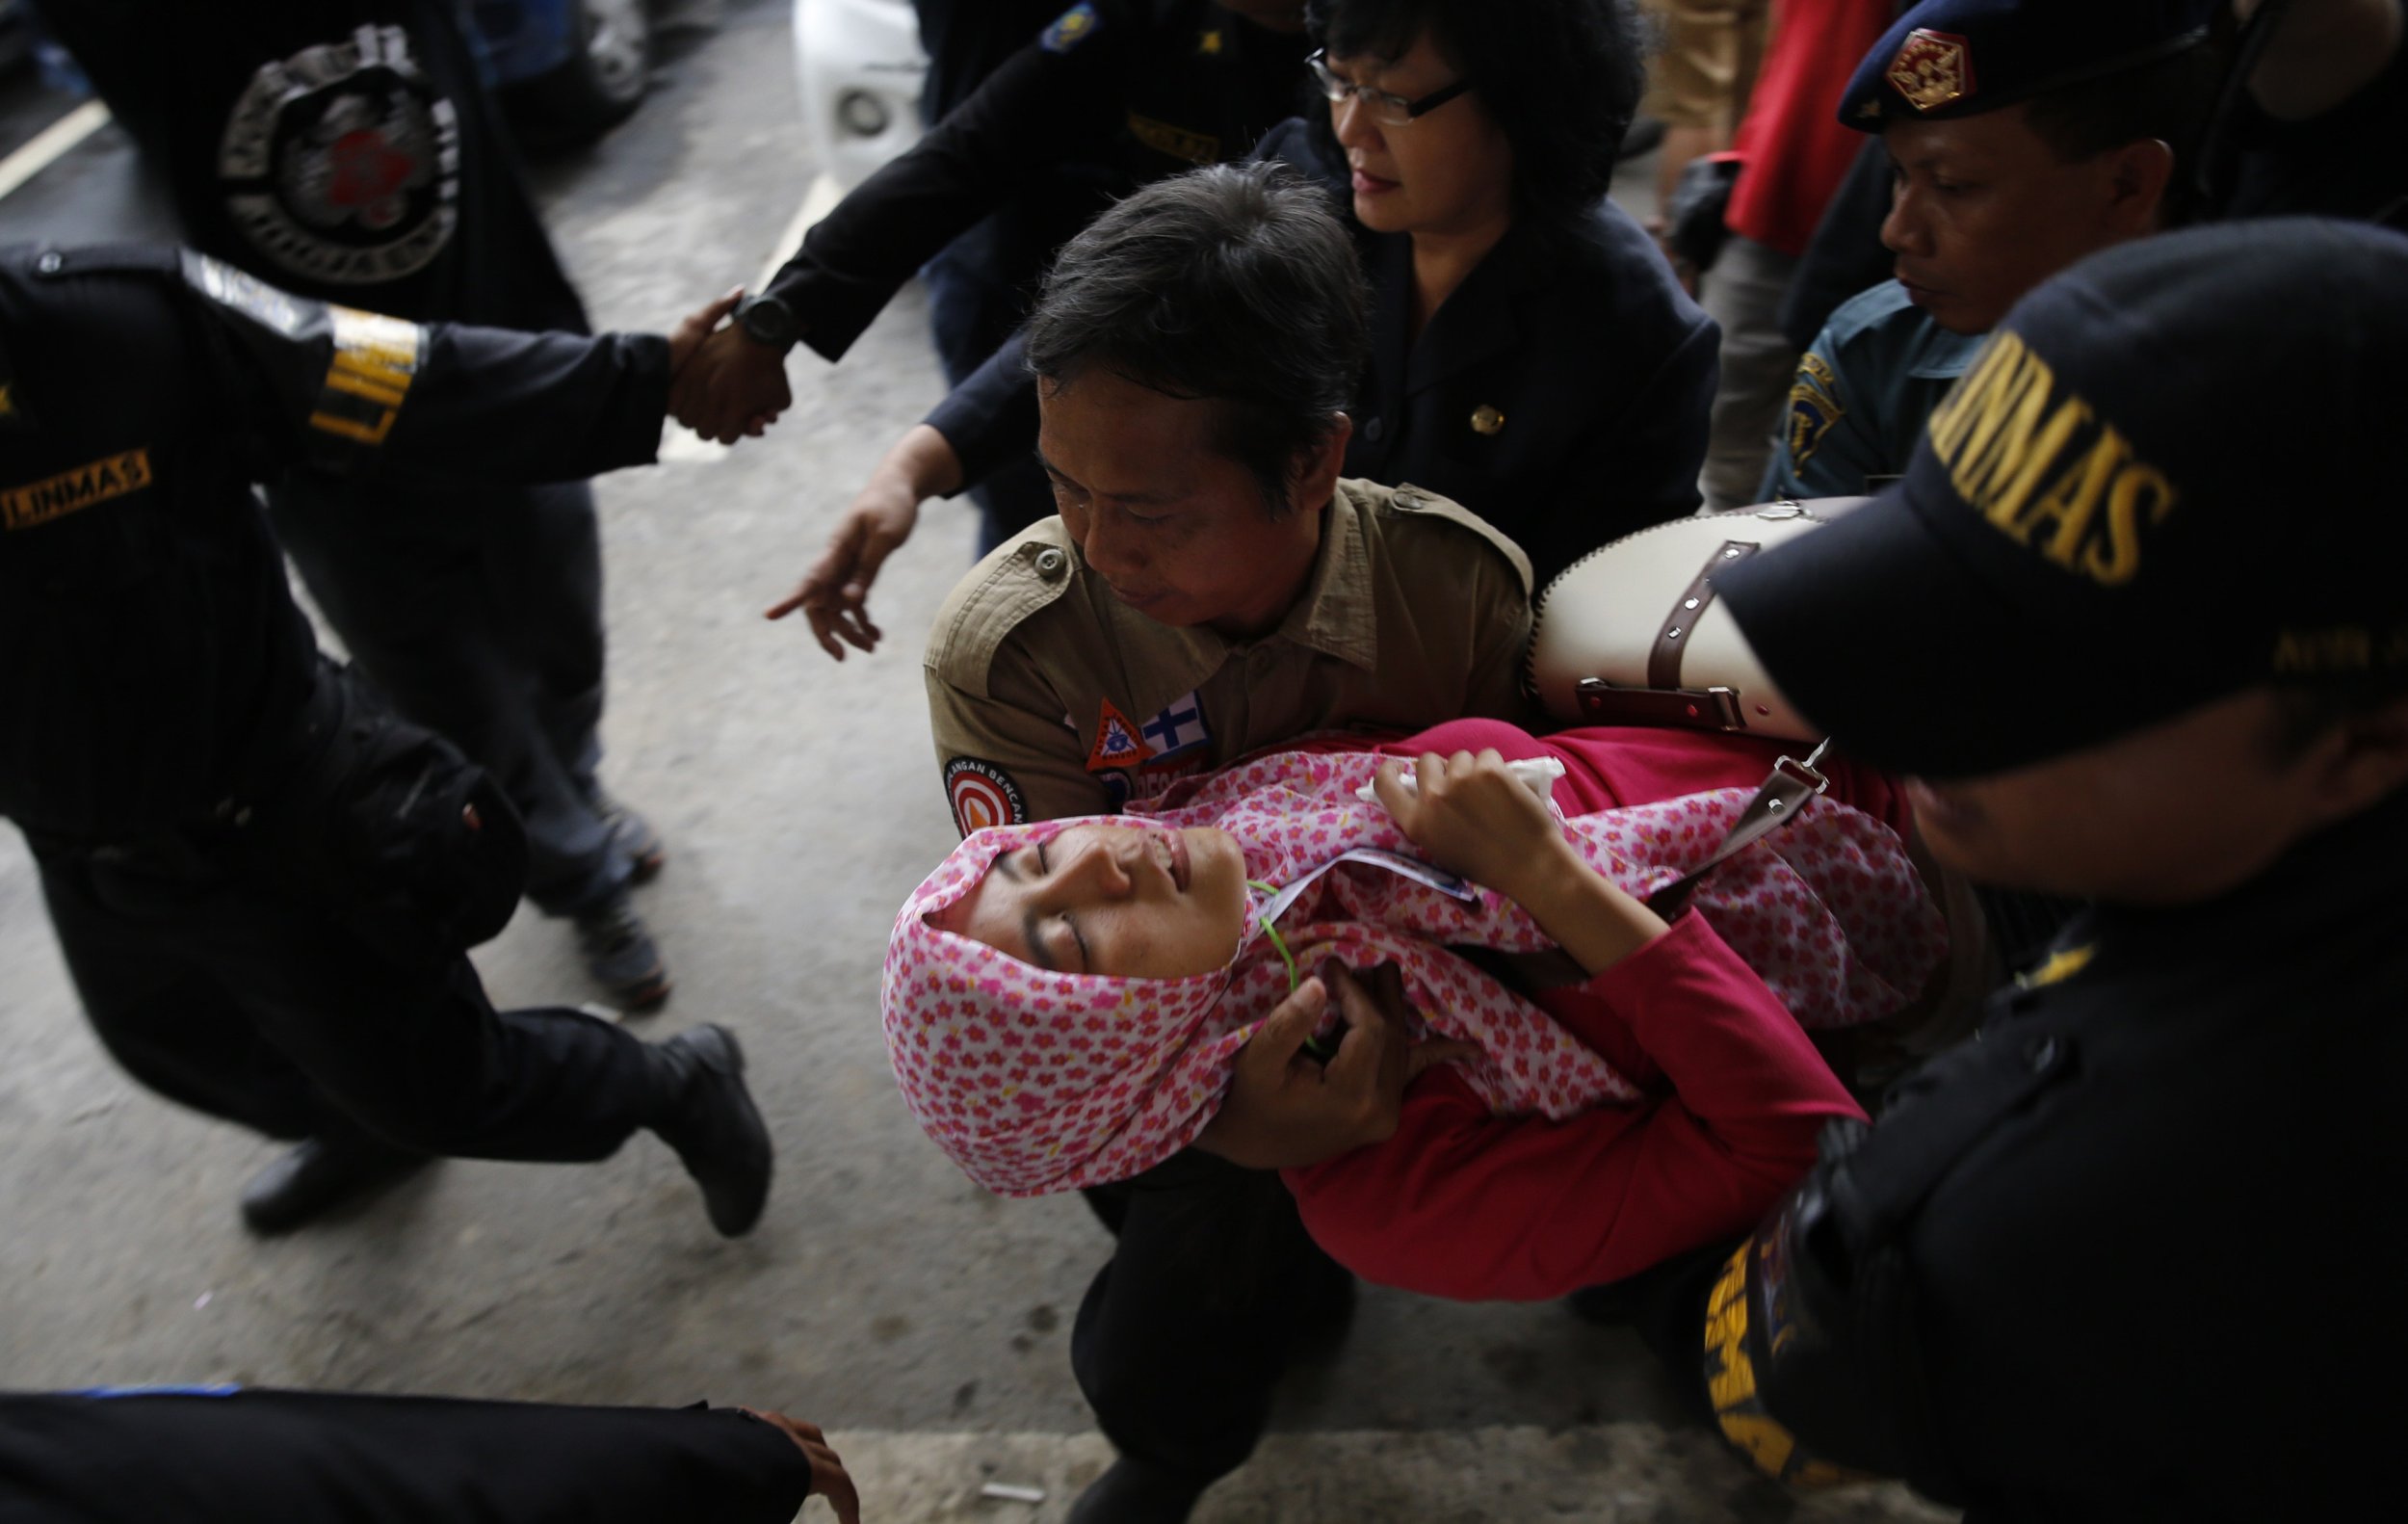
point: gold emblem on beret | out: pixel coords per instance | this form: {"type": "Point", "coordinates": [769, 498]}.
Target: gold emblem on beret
{"type": "Point", "coordinates": [1486, 419]}
{"type": "Point", "coordinates": [1933, 69]}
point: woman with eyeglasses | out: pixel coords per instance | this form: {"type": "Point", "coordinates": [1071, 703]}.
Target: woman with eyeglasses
{"type": "Point", "coordinates": [1533, 357]}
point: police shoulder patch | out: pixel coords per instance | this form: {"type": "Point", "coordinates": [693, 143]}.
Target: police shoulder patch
{"type": "Point", "coordinates": [982, 795]}
{"type": "Point", "coordinates": [1071, 28]}
{"type": "Point", "coordinates": [1815, 405]}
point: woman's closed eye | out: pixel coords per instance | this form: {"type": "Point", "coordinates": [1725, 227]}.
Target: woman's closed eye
{"type": "Point", "coordinates": [1071, 941]}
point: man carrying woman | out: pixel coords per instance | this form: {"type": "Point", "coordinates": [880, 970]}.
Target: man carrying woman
{"type": "Point", "coordinates": [1210, 588]}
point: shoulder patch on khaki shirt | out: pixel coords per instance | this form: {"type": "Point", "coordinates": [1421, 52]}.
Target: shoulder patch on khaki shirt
{"type": "Point", "coordinates": [1407, 499]}
{"type": "Point", "coordinates": [1023, 574]}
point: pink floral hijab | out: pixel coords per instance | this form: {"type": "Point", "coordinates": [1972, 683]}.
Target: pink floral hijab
{"type": "Point", "coordinates": [1035, 1082]}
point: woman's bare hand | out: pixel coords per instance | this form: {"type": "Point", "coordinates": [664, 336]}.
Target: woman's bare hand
{"type": "Point", "coordinates": [835, 595]}
{"type": "Point", "coordinates": [1472, 817]}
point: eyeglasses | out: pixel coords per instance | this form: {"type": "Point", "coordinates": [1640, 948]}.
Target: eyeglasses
{"type": "Point", "coordinates": [1389, 111]}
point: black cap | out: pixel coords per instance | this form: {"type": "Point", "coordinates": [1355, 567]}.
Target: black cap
{"type": "Point", "coordinates": [2170, 474]}
{"type": "Point", "coordinates": [1959, 57]}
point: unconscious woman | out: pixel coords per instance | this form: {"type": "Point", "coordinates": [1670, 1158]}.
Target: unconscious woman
{"type": "Point", "coordinates": [1063, 1002]}
{"type": "Point", "coordinates": [1532, 358]}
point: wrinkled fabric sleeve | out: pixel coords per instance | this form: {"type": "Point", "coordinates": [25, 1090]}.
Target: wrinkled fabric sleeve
{"type": "Point", "coordinates": [1016, 728]}
{"type": "Point", "coordinates": [1469, 1205]}
{"type": "Point", "coordinates": [991, 418]}
{"type": "Point", "coordinates": [1039, 104]}
{"type": "Point", "coordinates": [354, 393]}
{"type": "Point", "coordinates": [1493, 688]}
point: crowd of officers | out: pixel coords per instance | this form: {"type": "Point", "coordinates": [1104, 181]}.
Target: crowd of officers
{"type": "Point", "coordinates": [1291, 442]}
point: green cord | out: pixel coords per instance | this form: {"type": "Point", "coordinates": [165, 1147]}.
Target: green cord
{"type": "Point", "coordinates": [1279, 945]}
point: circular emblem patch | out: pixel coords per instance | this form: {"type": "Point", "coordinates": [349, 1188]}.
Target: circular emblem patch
{"type": "Point", "coordinates": [982, 795]}
{"type": "Point", "coordinates": [341, 164]}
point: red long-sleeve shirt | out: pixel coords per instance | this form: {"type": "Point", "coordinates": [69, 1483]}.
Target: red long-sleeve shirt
{"type": "Point", "coordinates": [1467, 1205]}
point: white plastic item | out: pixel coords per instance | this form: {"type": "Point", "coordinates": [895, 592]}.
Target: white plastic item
{"type": "Point", "coordinates": [1538, 774]}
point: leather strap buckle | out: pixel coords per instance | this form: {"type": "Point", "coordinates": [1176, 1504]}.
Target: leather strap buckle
{"type": "Point", "coordinates": [1805, 772]}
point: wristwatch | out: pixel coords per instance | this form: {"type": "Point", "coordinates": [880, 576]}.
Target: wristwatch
{"type": "Point", "coordinates": [768, 321]}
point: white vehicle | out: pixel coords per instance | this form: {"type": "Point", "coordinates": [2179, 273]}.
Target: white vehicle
{"type": "Point", "coordinates": [859, 66]}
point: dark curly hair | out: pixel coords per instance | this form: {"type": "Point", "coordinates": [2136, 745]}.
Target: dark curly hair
{"type": "Point", "coordinates": [1560, 78]}
{"type": "Point", "coordinates": [1232, 283]}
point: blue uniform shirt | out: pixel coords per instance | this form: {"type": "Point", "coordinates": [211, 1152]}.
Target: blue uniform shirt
{"type": "Point", "coordinates": [1863, 391]}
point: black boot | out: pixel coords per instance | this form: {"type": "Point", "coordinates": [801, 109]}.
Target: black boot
{"type": "Point", "coordinates": [710, 1121]}
{"type": "Point", "coordinates": [1135, 1492]}
{"type": "Point", "coordinates": [320, 1173]}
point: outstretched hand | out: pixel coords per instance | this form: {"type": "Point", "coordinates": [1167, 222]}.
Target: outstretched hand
{"type": "Point", "coordinates": [1284, 1110]}
{"type": "Point", "coordinates": [835, 591]}
{"type": "Point", "coordinates": [834, 594]}
{"type": "Point", "coordinates": [726, 384]}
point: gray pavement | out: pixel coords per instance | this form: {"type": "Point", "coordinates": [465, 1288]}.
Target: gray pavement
{"type": "Point", "coordinates": [920, 1319]}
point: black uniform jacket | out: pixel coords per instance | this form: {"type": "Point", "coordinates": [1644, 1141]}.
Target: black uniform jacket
{"type": "Point", "coordinates": [151, 658]}
{"type": "Point", "coordinates": [301, 1458]}
{"type": "Point", "coordinates": [344, 150]}
{"type": "Point", "coordinates": [1562, 392]}
{"type": "Point", "coordinates": [1136, 88]}
{"type": "Point", "coordinates": [2137, 1251]}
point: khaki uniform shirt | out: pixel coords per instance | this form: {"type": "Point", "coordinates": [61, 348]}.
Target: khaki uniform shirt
{"type": "Point", "coordinates": [1048, 696]}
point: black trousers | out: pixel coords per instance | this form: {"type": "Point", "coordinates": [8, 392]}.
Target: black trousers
{"type": "Point", "coordinates": [478, 611]}
{"type": "Point", "coordinates": [219, 987]}
{"type": "Point", "coordinates": [1183, 1334]}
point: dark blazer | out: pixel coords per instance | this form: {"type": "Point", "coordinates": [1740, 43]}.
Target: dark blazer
{"type": "Point", "coordinates": [1561, 393]}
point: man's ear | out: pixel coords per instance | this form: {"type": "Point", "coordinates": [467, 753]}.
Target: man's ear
{"type": "Point", "coordinates": [1315, 479]}
{"type": "Point", "coordinates": [2367, 762]}
{"type": "Point", "coordinates": [2137, 175]}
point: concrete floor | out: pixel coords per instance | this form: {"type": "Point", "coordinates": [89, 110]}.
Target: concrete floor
{"type": "Point", "coordinates": [920, 1319]}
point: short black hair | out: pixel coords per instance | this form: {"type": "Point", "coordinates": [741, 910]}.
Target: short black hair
{"type": "Point", "coordinates": [1231, 283]}
{"type": "Point", "coordinates": [1560, 78]}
